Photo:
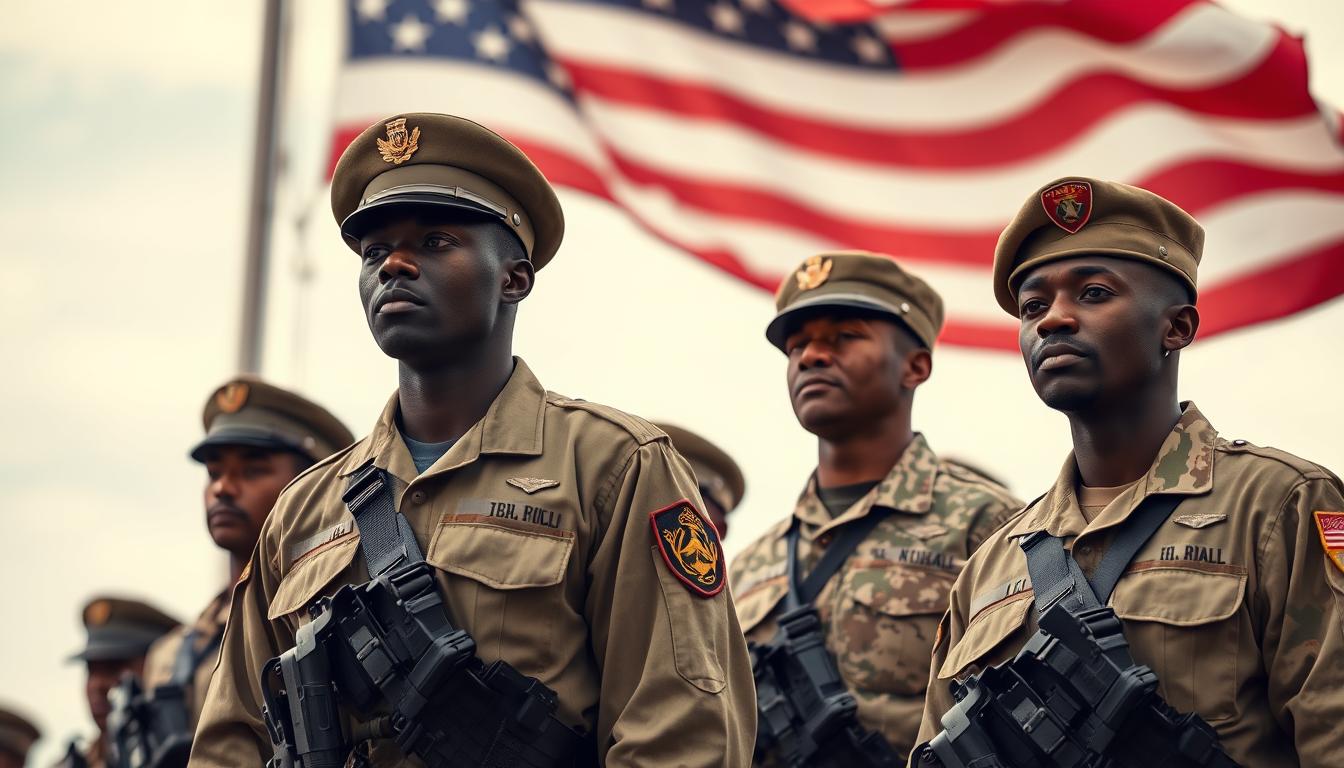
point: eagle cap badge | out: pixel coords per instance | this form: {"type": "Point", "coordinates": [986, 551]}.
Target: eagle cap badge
{"type": "Point", "coordinates": [814, 272]}
{"type": "Point", "coordinates": [1068, 204]}
{"type": "Point", "coordinates": [399, 145]}
{"type": "Point", "coordinates": [232, 396]}
{"type": "Point", "coordinates": [690, 548]}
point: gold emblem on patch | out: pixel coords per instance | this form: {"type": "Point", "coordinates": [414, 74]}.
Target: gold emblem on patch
{"type": "Point", "coordinates": [400, 145]}
{"type": "Point", "coordinates": [98, 613]}
{"type": "Point", "coordinates": [232, 396]}
{"type": "Point", "coordinates": [814, 272]}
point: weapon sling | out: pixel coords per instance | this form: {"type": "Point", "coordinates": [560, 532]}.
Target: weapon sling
{"type": "Point", "coordinates": [804, 593]}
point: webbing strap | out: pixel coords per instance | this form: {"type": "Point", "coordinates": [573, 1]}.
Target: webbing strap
{"type": "Point", "coordinates": [1056, 577]}
{"type": "Point", "coordinates": [844, 545]}
{"type": "Point", "coordinates": [188, 658]}
{"type": "Point", "coordinates": [385, 535]}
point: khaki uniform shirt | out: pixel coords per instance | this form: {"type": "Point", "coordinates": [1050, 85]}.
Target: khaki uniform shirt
{"type": "Point", "coordinates": [880, 611]}
{"type": "Point", "coordinates": [162, 656]}
{"type": "Point", "coordinates": [1232, 601]}
{"type": "Point", "coordinates": [538, 521]}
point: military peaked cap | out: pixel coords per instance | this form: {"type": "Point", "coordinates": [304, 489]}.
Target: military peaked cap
{"type": "Point", "coordinates": [120, 629]}
{"type": "Point", "coordinates": [17, 734]}
{"type": "Point", "coordinates": [247, 411]}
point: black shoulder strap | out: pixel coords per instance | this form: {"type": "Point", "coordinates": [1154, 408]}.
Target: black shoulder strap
{"type": "Point", "coordinates": [1056, 577]}
{"type": "Point", "coordinates": [385, 535]}
{"type": "Point", "coordinates": [188, 658]}
{"type": "Point", "coordinates": [844, 545]}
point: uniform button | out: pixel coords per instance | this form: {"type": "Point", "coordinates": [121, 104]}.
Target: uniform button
{"type": "Point", "coordinates": [1238, 443]}
{"type": "Point", "coordinates": [1085, 550]}
{"type": "Point", "coordinates": [824, 540]}
{"type": "Point", "coordinates": [417, 497]}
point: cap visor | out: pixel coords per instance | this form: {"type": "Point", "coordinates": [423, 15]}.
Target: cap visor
{"type": "Point", "coordinates": [365, 216]}
{"type": "Point", "coordinates": [247, 438]}
{"type": "Point", "coordinates": [777, 332]}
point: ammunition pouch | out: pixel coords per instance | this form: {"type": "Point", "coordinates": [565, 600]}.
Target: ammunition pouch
{"type": "Point", "coordinates": [386, 653]}
{"type": "Point", "coordinates": [148, 729]}
{"type": "Point", "coordinates": [1072, 696]}
{"type": "Point", "coordinates": [805, 714]}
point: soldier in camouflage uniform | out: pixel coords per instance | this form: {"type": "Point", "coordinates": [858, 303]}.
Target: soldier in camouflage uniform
{"type": "Point", "coordinates": [858, 332]}
{"type": "Point", "coordinates": [1232, 602]}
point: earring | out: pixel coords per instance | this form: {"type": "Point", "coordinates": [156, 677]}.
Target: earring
{"type": "Point", "coordinates": [1166, 353]}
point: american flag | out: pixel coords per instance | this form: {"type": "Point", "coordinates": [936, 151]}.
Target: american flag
{"type": "Point", "coordinates": [1332, 529]}
{"type": "Point", "coordinates": [754, 133]}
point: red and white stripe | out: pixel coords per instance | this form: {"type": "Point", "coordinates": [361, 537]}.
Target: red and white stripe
{"type": "Point", "coordinates": [752, 161]}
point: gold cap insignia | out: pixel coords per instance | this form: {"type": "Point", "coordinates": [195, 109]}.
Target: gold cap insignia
{"type": "Point", "coordinates": [98, 613]}
{"type": "Point", "coordinates": [232, 397]}
{"type": "Point", "coordinates": [531, 484]}
{"type": "Point", "coordinates": [399, 145]}
{"type": "Point", "coordinates": [814, 272]}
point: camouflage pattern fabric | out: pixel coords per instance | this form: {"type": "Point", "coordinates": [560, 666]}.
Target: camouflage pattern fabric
{"type": "Point", "coordinates": [881, 609]}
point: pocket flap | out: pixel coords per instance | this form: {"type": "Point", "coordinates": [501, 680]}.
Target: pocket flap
{"type": "Point", "coordinates": [310, 576]}
{"type": "Point", "coordinates": [900, 590]}
{"type": "Point", "coordinates": [1180, 596]}
{"type": "Point", "coordinates": [501, 557]}
{"type": "Point", "coordinates": [986, 631]}
{"type": "Point", "coordinates": [757, 603]}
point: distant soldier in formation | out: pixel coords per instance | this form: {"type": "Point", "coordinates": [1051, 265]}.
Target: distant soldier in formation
{"type": "Point", "coordinates": [550, 553]}
{"type": "Point", "coordinates": [719, 478]}
{"type": "Point", "coordinates": [882, 527]}
{"type": "Point", "coordinates": [17, 736]}
{"type": "Point", "coordinates": [120, 632]}
{"type": "Point", "coordinates": [258, 438]}
{"type": "Point", "coordinates": [1228, 567]}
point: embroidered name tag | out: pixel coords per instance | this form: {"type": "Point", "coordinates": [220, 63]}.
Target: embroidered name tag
{"type": "Point", "coordinates": [302, 548]}
{"type": "Point", "coordinates": [510, 510]}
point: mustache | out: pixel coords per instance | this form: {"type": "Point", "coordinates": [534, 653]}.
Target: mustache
{"type": "Point", "coordinates": [227, 509]}
{"type": "Point", "coordinates": [1048, 347]}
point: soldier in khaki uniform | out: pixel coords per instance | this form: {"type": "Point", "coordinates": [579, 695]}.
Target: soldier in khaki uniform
{"type": "Point", "coordinates": [17, 736]}
{"type": "Point", "coordinates": [258, 438]}
{"type": "Point", "coordinates": [858, 331]}
{"type": "Point", "coordinates": [718, 476]}
{"type": "Point", "coordinates": [1232, 602]}
{"type": "Point", "coordinates": [564, 535]}
{"type": "Point", "coordinates": [120, 632]}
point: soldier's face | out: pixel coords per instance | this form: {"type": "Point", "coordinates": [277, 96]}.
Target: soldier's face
{"type": "Point", "coordinates": [844, 373]}
{"type": "Point", "coordinates": [1091, 330]}
{"type": "Point", "coordinates": [433, 287]}
{"type": "Point", "coordinates": [103, 677]}
{"type": "Point", "coordinates": [243, 484]}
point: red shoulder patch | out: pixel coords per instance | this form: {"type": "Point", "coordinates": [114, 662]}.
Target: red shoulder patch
{"type": "Point", "coordinates": [1068, 204]}
{"type": "Point", "coordinates": [1331, 527]}
{"type": "Point", "coordinates": [690, 547]}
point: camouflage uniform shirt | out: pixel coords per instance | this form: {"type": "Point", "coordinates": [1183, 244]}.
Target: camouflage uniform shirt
{"type": "Point", "coordinates": [1232, 602]}
{"type": "Point", "coordinates": [880, 610]}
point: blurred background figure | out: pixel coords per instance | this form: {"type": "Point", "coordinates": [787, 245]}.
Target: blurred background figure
{"type": "Point", "coordinates": [120, 631]}
{"type": "Point", "coordinates": [17, 736]}
{"type": "Point", "coordinates": [721, 482]}
{"type": "Point", "coordinates": [258, 437]}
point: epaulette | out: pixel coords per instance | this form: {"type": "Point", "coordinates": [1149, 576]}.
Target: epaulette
{"type": "Point", "coordinates": [642, 431]}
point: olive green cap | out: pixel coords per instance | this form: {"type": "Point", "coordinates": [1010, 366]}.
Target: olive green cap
{"type": "Point", "coordinates": [17, 734]}
{"type": "Point", "coordinates": [246, 411]}
{"type": "Point", "coordinates": [856, 280]}
{"type": "Point", "coordinates": [715, 471]}
{"type": "Point", "coordinates": [119, 629]}
{"type": "Point", "coordinates": [1079, 216]}
{"type": "Point", "coordinates": [433, 160]}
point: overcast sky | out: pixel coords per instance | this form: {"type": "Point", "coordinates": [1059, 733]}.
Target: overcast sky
{"type": "Point", "coordinates": [126, 149]}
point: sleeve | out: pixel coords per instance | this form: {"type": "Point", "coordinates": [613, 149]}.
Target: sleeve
{"type": "Point", "coordinates": [1302, 598]}
{"type": "Point", "coordinates": [231, 731]}
{"type": "Point", "coordinates": [676, 686]}
{"type": "Point", "coordinates": [938, 698]}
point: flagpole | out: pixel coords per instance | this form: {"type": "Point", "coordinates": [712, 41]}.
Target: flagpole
{"type": "Point", "coordinates": [257, 256]}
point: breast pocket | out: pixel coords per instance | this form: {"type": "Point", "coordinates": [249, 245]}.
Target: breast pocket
{"type": "Point", "coordinates": [509, 595]}
{"type": "Point", "coordinates": [885, 624]}
{"type": "Point", "coordinates": [987, 638]}
{"type": "Point", "coordinates": [310, 577]}
{"type": "Point", "coordinates": [1185, 624]}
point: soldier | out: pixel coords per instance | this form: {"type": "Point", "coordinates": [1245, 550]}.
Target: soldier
{"type": "Point", "coordinates": [718, 476]}
{"type": "Point", "coordinates": [1231, 601]}
{"type": "Point", "coordinates": [120, 631]}
{"type": "Point", "coordinates": [258, 438]}
{"type": "Point", "coordinates": [17, 736]}
{"type": "Point", "coordinates": [858, 332]}
{"type": "Point", "coordinates": [564, 536]}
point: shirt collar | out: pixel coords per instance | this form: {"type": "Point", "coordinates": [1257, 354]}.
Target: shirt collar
{"type": "Point", "coordinates": [512, 425]}
{"type": "Point", "coordinates": [1183, 465]}
{"type": "Point", "coordinates": [907, 488]}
